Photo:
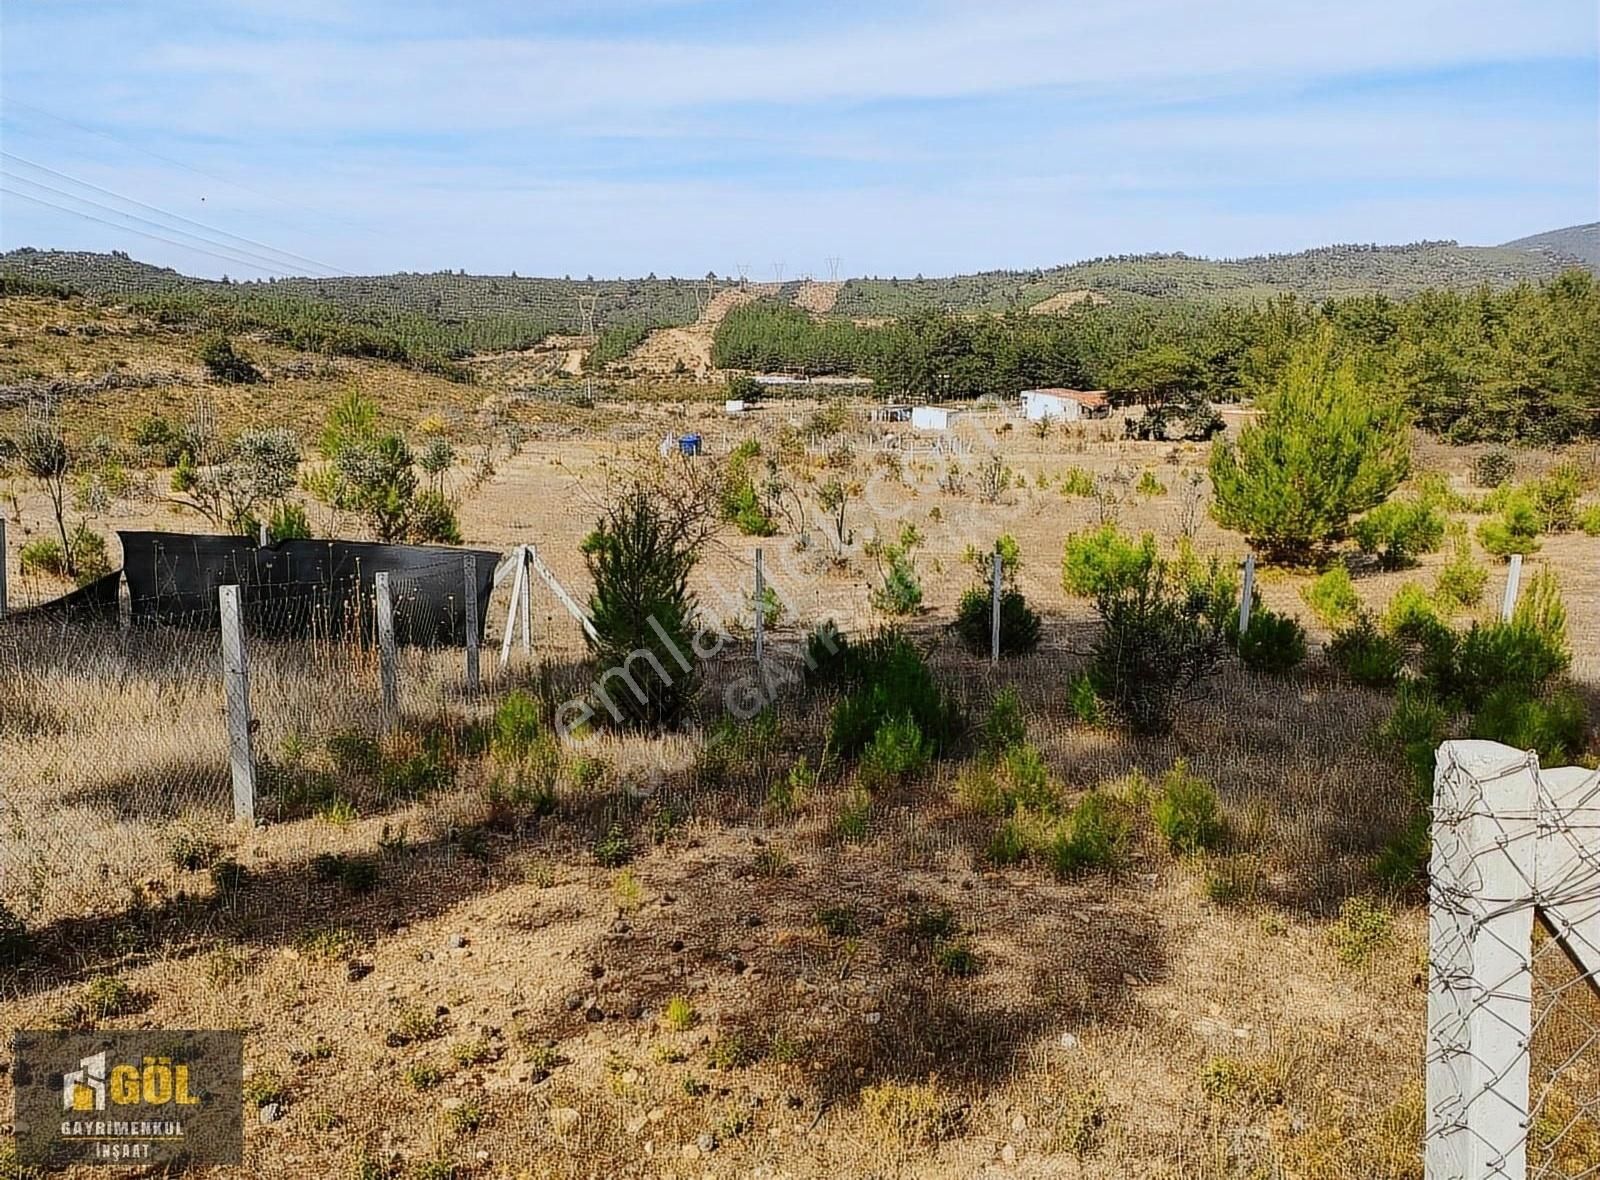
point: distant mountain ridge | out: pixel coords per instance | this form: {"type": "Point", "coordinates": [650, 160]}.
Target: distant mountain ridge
{"type": "Point", "coordinates": [1580, 243]}
{"type": "Point", "coordinates": [459, 298]}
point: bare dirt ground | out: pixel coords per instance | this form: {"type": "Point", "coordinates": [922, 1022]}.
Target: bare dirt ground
{"type": "Point", "coordinates": [752, 994]}
{"type": "Point", "coordinates": [687, 350]}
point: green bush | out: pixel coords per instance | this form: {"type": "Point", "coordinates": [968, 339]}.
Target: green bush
{"type": "Point", "coordinates": [900, 592]}
{"type": "Point", "coordinates": [887, 678]}
{"type": "Point", "coordinates": [1398, 531]}
{"type": "Point", "coordinates": [1493, 468]}
{"type": "Point", "coordinates": [1555, 496]}
{"type": "Point", "coordinates": [518, 725]}
{"type": "Point", "coordinates": [1528, 651]}
{"type": "Point", "coordinates": [1103, 560]}
{"type": "Point", "coordinates": [433, 519]}
{"type": "Point", "coordinates": [1005, 725]}
{"type": "Point", "coordinates": [1416, 727]}
{"type": "Point", "coordinates": [1186, 812]}
{"type": "Point", "coordinates": [640, 558]}
{"type": "Point", "coordinates": [1411, 614]}
{"type": "Point", "coordinates": [1404, 858]}
{"type": "Point", "coordinates": [1093, 837]}
{"type": "Point", "coordinates": [43, 555]}
{"type": "Point", "coordinates": [1332, 597]}
{"type": "Point", "coordinates": [1461, 579]}
{"type": "Point", "coordinates": [226, 363]}
{"type": "Point", "coordinates": [1019, 624]}
{"type": "Point", "coordinates": [896, 753]}
{"type": "Point", "coordinates": [1589, 520]}
{"type": "Point", "coordinates": [288, 522]}
{"type": "Point", "coordinates": [1515, 530]}
{"type": "Point", "coordinates": [1556, 724]}
{"type": "Point", "coordinates": [1366, 655]}
{"type": "Point", "coordinates": [1164, 631]}
{"type": "Point", "coordinates": [1274, 643]}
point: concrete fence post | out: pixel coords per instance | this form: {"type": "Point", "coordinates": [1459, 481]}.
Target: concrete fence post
{"type": "Point", "coordinates": [387, 657]}
{"type": "Point", "coordinates": [761, 615]}
{"type": "Point", "coordinates": [994, 608]}
{"type": "Point", "coordinates": [236, 695]}
{"type": "Point", "coordinates": [469, 573]}
{"type": "Point", "coordinates": [1247, 592]}
{"type": "Point", "coordinates": [1508, 604]}
{"type": "Point", "coordinates": [262, 538]}
{"type": "Point", "coordinates": [527, 603]}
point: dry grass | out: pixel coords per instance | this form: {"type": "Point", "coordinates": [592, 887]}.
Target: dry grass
{"type": "Point", "coordinates": [749, 994]}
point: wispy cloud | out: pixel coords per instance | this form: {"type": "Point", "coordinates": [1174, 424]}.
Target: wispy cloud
{"type": "Point", "coordinates": [629, 135]}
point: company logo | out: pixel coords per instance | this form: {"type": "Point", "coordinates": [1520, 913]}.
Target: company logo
{"type": "Point", "coordinates": [129, 1097]}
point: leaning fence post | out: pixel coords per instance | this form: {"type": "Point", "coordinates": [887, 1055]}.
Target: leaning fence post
{"type": "Point", "coordinates": [761, 615]}
{"type": "Point", "coordinates": [527, 603]}
{"type": "Point", "coordinates": [994, 608]}
{"type": "Point", "coordinates": [2, 567]}
{"type": "Point", "coordinates": [386, 650]}
{"type": "Point", "coordinates": [236, 694]}
{"type": "Point", "coordinates": [1508, 604]}
{"type": "Point", "coordinates": [469, 570]}
{"type": "Point", "coordinates": [1247, 592]}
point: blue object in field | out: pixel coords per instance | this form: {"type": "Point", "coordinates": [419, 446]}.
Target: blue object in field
{"type": "Point", "coordinates": [689, 444]}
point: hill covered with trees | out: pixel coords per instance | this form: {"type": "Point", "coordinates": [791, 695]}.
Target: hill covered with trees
{"type": "Point", "coordinates": [1579, 243]}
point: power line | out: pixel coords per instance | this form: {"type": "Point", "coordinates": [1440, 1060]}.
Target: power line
{"type": "Point", "coordinates": [141, 233]}
{"type": "Point", "coordinates": [154, 155]}
{"type": "Point", "coordinates": [249, 258]}
{"type": "Point", "coordinates": [272, 250]}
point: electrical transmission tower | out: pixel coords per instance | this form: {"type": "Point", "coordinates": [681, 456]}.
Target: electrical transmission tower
{"type": "Point", "coordinates": [777, 271]}
{"type": "Point", "coordinates": [833, 268]}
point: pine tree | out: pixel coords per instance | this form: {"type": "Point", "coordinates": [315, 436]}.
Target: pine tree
{"type": "Point", "coordinates": [1328, 447]}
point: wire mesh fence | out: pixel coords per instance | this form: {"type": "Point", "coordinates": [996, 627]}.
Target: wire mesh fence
{"type": "Point", "coordinates": [1514, 1011]}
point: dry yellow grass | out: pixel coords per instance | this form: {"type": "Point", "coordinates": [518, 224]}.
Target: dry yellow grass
{"type": "Point", "coordinates": [1120, 1023]}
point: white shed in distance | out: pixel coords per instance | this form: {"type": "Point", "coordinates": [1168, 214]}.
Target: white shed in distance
{"type": "Point", "coordinates": [1066, 404]}
{"type": "Point", "coordinates": [931, 418]}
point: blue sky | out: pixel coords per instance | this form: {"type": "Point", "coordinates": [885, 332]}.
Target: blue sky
{"type": "Point", "coordinates": [616, 137]}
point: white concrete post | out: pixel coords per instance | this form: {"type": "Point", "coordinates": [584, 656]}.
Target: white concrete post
{"type": "Point", "coordinates": [1508, 604]}
{"type": "Point", "coordinates": [262, 533]}
{"type": "Point", "coordinates": [1247, 592]}
{"type": "Point", "coordinates": [387, 657]}
{"type": "Point", "coordinates": [519, 588]}
{"type": "Point", "coordinates": [761, 615]}
{"type": "Point", "coordinates": [469, 574]}
{"type": "Point", "coordinates": [2, 567]}
{"type": "Point", "coordinates": [994, 608]}
{"type": "Point", "coordinates": [1480, 922]}
{"type": "Point", "coordinates": [236, 696]}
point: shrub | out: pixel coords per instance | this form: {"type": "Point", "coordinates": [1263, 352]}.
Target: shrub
{"type": "Point", "coordinates": [1411, 614]}
{"type": "Point", "coordinates": [906, 1112]}
{"type": "Point", "coordinates": [1186, 812]}
{"type": "Point", "coordinates": [854, 821]}
{"type": "Point", "coordinates": [1555, 724]}
{"type": "Point", "coordinates": [89, 559]}
{"type": "Point", "coordinates": [517, 726]}
{"type": "Point", "coordinates": [1084, 701]}
{"type": "Point", "coordinates": [1150, 486]}
{"type": "Point", "coordinates": [642, 609]}
{"type": "Point", "coordinates": [1327, 447]}
{"type": "Point", "coordinates": [288, 522]}
{"type": "Point", "coordinates": [1274, 643]}
{"type": "Point", "coordinates": [1004, 726]}
{"type": "Point", "coordinates": [1397, 531]}
{"type": "Point", "coordinates": [43, 556]}
{"type": "Point", "coordinates": [1416, 727]}
{"type": "Point", "coordinates": [983, 563]}
{"type": "Point", "coordinates": [1493, 468]}
{"type": "Point", "coordinates": [679, 1014]}
{"type": "Point", "coordinates": [1515, 530]}
{"type": "Point", "coordinates": [1366, 655]}
{"type": "Point", "coordinates": [1019, 624]}
{"type": "Point", "coordinates": [887, 678]}
{"type": "Point", "coordinates": [433, 519]}
{"type": "Point", "coordinates": [1162, 634]}
{"type": "Point", "coordinates": [896, 752]}
{"type": "Point", "coordinates": [1556, 498]}
{"type": "Point", "coordinates": [1332, 597]}
{"type": "Point", "coordinates": [1405, 857]}
{"type": "Point", "coordinates": [1461, 579]}
{"type": "Point", "coordinates": [1018, 778]}
{"type": "Point", "coordinates": [1093, 837]}
{"type": "Point", "coordinates": [1076, 482]}
{"type": "Point", "coordinates": [1589, 520]}
{"type": "Point", "coordinates": [900, 592]}
{"type": "Point", "coordinates": [1362, 930]}
{"type": "Point", "coordinates": [226, 363]}
{"type": "Point", "coordinates": [1528, 651]}
{"type": "Point", "coordinates": [1104, 559]}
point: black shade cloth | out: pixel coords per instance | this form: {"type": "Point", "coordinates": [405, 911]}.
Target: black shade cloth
{"type": "Point", "coordinates": [304, 588]}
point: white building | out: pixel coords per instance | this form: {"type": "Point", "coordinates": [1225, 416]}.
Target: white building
{"type": "Point", "coordinates": [1066, 404]}
{"type": "Point", "coordinates": [931, 418]}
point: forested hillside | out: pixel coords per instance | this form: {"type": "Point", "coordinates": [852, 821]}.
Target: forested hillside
{"type": "Point", "coordinates": [1517, 363]}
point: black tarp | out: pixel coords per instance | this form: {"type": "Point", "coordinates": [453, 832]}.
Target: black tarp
{"type": "Point", "coordinates": [304, 588]}
{"type": "Point", "coordinates": [94, 602]}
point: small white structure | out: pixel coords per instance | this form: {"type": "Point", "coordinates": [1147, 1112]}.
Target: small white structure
{"type": "Point", "coordinates": [892, 413]}
{"type": "Point", "coordinates": [1067, 404]}
{"type": "Point", "coordinates": [931, 418]}
{"type": "Point", "coordinates": [734, 406]}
